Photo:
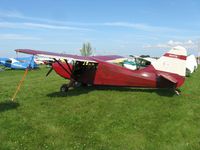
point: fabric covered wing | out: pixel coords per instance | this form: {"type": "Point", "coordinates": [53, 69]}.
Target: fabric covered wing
{"type": "Point", "coordinates": [68, 56]}
{"type": "Point", "coordinates": [55, 55]}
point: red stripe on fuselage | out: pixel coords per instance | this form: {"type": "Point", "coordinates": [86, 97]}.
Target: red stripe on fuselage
{"type": "Point", "coordinates": [182, 57]}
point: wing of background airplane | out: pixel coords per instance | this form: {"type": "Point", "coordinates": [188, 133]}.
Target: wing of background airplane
{"type": "Point", "coordinates": [68, 56]}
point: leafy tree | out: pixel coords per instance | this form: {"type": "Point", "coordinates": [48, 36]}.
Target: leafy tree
{"type": "Point", "coordinates": [86, 49]}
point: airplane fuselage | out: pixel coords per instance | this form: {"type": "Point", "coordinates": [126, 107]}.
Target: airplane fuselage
{"type": "Point", "coordinates": [108, 74]}
{"type": "Point", "coordinates": [17, 64]}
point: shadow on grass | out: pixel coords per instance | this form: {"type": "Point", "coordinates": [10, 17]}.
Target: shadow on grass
{"type": "Point", "coordinates": [85, 90]}
{"type": "Point", "coordinates": [8, 105]}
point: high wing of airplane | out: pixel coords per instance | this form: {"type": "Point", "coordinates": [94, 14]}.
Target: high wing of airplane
{"type": "Point", "coordinates": [167, 72]}
{"type": "Point", "coordinates": [18, 63]}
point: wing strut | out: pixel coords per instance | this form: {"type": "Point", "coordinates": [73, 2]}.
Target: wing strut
{"type": "Point", "coordinates": [64, 67]}
{"type": "Point", "coordinates": [68, 66]}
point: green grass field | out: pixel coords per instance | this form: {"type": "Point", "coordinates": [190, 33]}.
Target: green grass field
{"type": "Point", "coordinates": [96, 118]}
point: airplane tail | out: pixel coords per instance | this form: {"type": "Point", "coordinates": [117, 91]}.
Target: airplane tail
{"type": "Point", "coordinates": [174, 61]}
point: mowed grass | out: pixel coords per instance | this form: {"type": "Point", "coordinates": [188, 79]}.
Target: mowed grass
{"type": "Point", "coordinates": [96, 118]}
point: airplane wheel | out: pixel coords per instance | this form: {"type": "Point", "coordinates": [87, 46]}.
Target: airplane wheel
{"type": "Point", "coordinates": [77, 84]}
{"type": "Point", "coordinates": [64, 88]}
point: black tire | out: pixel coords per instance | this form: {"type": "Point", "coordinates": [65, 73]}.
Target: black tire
{"type": "Point", "coordinates": [64, 88]}
{"type": "Point", "coordinates": [77, 84]}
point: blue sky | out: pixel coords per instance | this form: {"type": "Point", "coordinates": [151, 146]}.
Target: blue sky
{"type": "Point", "coordinates": [111, 26]}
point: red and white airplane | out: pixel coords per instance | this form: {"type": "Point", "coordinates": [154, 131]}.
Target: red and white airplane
{"type": "Point", "coordinates": [167, 72]}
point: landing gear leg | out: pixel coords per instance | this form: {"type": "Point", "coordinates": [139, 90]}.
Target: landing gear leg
{"type": "Point", "coordinates": [65, 87]}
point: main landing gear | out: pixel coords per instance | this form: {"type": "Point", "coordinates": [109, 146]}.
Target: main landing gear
{"type": "Point", "coordinates": [65, 87]}
{"type": "Point", "coordinates": [74, 84]}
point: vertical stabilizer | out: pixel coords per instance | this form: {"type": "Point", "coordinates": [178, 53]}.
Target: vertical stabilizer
{"type": "Point", "coordinates": [174, 61]}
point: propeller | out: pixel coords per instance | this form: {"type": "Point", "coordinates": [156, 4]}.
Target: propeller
{"type": "Point", "coordinates": [49, 71]}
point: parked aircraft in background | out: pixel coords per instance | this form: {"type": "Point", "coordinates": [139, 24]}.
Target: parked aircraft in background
{"type": "Point", "coordinates": [191, 64]}
{"type": "Point", "coordinates": [18, 63]}
{"type": "Point", "coordinates": [43, 60]}
{"type": "Point", "coordinates": [167, 72]}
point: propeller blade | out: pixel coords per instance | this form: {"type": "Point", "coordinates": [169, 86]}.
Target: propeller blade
{"type": "Point", "coordinates": [49, 71]}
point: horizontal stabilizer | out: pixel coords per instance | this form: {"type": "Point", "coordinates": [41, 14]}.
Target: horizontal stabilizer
{"type": "Point", "coordinates": [168, 77]}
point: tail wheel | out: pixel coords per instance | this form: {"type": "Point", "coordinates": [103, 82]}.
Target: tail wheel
{"type": "Point", "coordinates": [64, 88]}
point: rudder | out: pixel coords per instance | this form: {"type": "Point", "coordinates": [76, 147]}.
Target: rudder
{"type": "Point", "coordinates": [174, 61]}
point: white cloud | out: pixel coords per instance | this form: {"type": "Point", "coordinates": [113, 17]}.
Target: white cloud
{"type": "Point", "coordinates": [189, 42]}
{"type": "Point", "coordinates": [140, 26]}
{"type": "Point", "coordinates": [49, 26]}
{"type": "Point", "coordinates": [11, 14]}
{"type": "Point", "coordinates": [174, 43]}
{"type": "Point", "coordinates": [18, 15]}
{"type": "Point", "coordinates": [30, 25]}
{"type": "Point", "coordinates": [171, 43]}
{"type": "Point", "coordinates": [47, 23]}
{"type": "Point", "coordinates": [17, 37]}
{"type": "Point", "coordinates": [136, 26]}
